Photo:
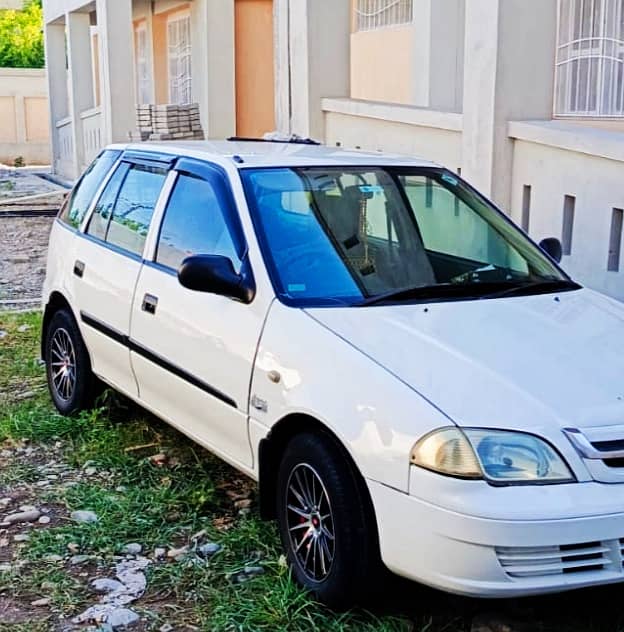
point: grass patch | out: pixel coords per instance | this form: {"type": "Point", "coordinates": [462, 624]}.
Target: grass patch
{"type": "Point", "coordinates": [137, 500]}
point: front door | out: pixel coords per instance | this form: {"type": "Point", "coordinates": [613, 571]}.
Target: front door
{"type": "Point", "coordinates": [255, 83]}
{"type": "Point", "coordinates": [193, 352]}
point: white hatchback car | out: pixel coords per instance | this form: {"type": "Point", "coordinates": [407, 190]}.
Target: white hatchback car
{"type": "Point", "coordinates": [407, 375]}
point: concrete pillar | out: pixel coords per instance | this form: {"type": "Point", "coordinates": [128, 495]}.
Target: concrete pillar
{"type": "Point", "coordinates": [213, 65]}
{"type": "Point", "coordinates": [116, 69]}
{"type": "Point", "coordinates": [313, 60]}
{"type": "Point", "coordinates": [80, 78]}
{"type": "Point", "coordinates": [57, 82]}
{"type": "Point", "coordinates": [446, 55]}
{"type": "Point", "coordinates": [508, 75]}
{"type": "Point", "coordinates": [281, 21]}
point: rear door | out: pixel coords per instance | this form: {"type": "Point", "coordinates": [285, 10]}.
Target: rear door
{"type": "Point", "coordinates": [193, 352]}
{"type": "Point", "coordinates": [107, 260]}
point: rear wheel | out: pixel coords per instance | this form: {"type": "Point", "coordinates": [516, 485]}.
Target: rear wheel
{"type": "Point", "coordinates": [70, 380]}
{"type": "Point", "coordinates": [325, 522]}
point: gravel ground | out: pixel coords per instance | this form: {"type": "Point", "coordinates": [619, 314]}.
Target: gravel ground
{"type": "Point", "coordinates": [24, 240]}
{"type": "Point", "coordinates": [23, 252]}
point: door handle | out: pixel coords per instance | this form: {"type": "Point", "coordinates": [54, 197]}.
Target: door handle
{"type": "Point", "coordinates": [149, 303]}
{"type": "Point", "coordinates": [79, 267]}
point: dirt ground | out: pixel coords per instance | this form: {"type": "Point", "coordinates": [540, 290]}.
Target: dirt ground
{"type": "Point", "coordinates": [23, 253]}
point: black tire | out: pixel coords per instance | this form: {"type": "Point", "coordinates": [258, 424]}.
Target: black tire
{"type": "Point", "coordinates": [71, 382]}
{"type": "Point", "coordinates": [354, 551]}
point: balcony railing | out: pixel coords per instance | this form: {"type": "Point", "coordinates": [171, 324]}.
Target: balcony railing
{"type": "Point", "coordinates": [91, 134]}
{"type": "Point", "coordinates": [64, 160]}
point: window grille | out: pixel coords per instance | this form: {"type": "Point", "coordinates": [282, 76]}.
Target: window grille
{"type": "Point", "coordinates": [590, 58]}
{"type": "Point", "coordinates": [144, 78]}
{"type": "Point", "coordinates": [377, 14]}
{"type": "Point", "coordinates": [179, 43]}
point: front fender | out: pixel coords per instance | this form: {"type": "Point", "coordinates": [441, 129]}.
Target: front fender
{"type": "Point", "coordinates": [377, 417]}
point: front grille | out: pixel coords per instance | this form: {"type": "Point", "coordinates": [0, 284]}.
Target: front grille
{"type": "Point", "coordinates": [613, 462]}
{"type": "Point", "coordinates": [602, 448]}
{"type": "Point", "coordinates": [540, 561]}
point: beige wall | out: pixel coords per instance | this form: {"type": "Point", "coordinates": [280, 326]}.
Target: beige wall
{"type": "Point", "coordinates": [410, 131]}
{"type": "Point", "coordinates": [11, 4]}
{"type": "Point", "coordinates": [24, 115]}
{"type": "Point", "coordinates": [382, 65]}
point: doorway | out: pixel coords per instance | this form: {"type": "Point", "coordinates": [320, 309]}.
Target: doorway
{"type": "Point", "coordinates": [255, 75]}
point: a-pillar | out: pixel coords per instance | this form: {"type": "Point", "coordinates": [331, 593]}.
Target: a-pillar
{"type": "Point", "coordinates": [80, 79]}
{"type": "Point", "coordinates": [117, 84]}
{"type": "Point", "coordinates": [508, 75]}
{"type": "Point", "coordinates": [57, 83]}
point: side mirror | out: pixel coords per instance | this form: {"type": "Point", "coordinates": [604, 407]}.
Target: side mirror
{"type": "Point", "coordinates": [552, 247]}
{"type": "Point", "coordinates": [215, 274]}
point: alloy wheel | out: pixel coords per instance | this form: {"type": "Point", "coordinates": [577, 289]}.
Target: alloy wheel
{"type": "Point", "coordinates": [310, 522]}
{"type": "Point", "coordinates": [63, 364]}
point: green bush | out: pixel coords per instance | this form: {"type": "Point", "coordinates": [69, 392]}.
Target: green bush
{"type": "Point", "coordinates": [21, 37]}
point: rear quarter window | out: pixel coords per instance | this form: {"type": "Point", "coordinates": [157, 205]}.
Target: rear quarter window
{"type": "Point", "coordinates": [74, 211]}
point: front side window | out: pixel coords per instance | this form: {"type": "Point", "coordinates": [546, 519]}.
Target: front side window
{"type": "Point", "coordinates": [124, 211]}
{"type": "Point", "coordinates": [590, 58]}
{"type": "Point", "coordinates": [81, 197]}
{"type": "Point", "coordinates": [194, 223]}
{"type": "Point", "coordinates": [350, 235]}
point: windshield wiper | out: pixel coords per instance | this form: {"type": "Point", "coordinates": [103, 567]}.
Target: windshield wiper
{"type": "Point", "coordinates": [491, 289]}
{"type": "Point", "coordinates": [540, 286]}
{"type": "Point", "coordinates": [440, 290]}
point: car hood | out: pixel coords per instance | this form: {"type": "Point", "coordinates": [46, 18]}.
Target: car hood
{"type": "Point", "coordinates": [516, 362]}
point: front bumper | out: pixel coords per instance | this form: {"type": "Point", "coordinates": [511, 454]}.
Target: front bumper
{"type": "Point", "coordinates": [497, 557]}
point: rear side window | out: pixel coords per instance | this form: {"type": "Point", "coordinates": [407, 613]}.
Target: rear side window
{"type": "Point", "coordinates": [124, 211]}
{"type": "Point", "coordinates": [98, 224]}
{"type": "Point", "coordinates": [134, 207]}
{"type": "Point", "coordinates": [81, 197]}
{"type": "Point", "coordinates": [194, 223]}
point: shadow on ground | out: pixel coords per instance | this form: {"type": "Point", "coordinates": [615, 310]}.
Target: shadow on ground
{"type": "Point", "coordinates": [596, 609]}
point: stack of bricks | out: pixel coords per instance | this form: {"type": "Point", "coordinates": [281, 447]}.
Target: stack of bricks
{"type": "Point", "coordinates": [169, 122]}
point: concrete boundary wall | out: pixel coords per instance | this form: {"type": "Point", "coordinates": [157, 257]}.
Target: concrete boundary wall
{"type": "Point", "coordinates": [24, 119]}
{"type": "Point", "coordinates": [557, 165]}
{"type": "Point", "coordinates": [368, 125]}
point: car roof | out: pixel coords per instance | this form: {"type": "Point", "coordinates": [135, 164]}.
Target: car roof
{"type": "Point", "coordinates": [245, 154]}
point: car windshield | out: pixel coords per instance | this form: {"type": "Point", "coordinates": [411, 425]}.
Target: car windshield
{"type": "Point", "coordinates": [357, 236]}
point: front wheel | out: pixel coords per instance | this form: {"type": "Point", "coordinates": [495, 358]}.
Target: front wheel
{"type": "Point", "coordinates": [70, 380]}
{"type": "Point", "coordinates": [326, 523]}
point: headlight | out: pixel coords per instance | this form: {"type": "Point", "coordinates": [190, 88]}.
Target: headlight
{"type": "Point", "coordinates": [499, 456]}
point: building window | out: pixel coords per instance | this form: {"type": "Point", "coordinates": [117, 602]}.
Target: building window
{"type": "Point", "coordinates": [590, 58]}
{"type": "Point", "coordinates": [179, 57]}
{"type": "Point", "coordinates": [376, 14]}
{"type": "Point", "coordinates": [143, 71]}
